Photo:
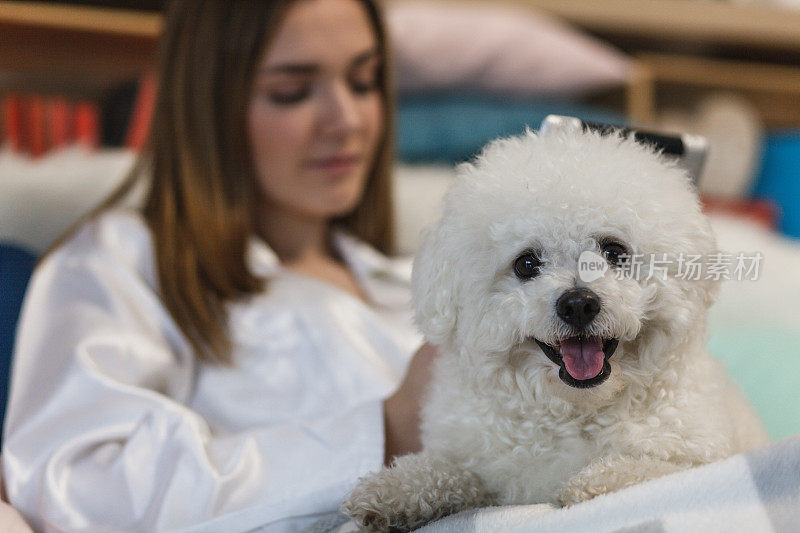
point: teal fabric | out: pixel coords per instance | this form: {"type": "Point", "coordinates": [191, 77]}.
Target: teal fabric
{"type": "Point", "coordinates": [451, 128]}
{"type": "Point", "coordinates": [765, 362]}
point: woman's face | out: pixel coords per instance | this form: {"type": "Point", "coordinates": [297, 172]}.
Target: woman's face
{"type": "Point", "coordinates": [316, 114]}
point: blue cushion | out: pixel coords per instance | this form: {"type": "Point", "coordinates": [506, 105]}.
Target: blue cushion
{"type": "Point", "coordinates": [779, 179]}
{"type": "Point", "coordinates": [454, 127]}
{"type": "Point", "coordinates": [16, 266]}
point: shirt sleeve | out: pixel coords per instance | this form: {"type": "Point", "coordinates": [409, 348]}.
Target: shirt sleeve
{"type": "Point", "coordinates": [98, 434]}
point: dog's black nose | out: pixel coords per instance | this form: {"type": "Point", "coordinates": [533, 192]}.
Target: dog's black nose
{"type": "Point", "coordinates": [577, 307]}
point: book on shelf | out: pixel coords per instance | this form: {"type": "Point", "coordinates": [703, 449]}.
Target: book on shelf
{"type": "Point", "coordinates": [36, 124]}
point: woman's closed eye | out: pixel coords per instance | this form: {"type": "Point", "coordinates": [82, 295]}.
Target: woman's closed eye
{"type": "Point", "coordinates": [287, 93]}
{"type": "Point", "coordinates": [364, 79]}
{"type": "Point", "coordinates": [292, 83]}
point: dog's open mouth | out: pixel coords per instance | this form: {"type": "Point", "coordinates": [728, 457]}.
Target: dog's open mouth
{"type": "Point", "coordinates": [583, 361]}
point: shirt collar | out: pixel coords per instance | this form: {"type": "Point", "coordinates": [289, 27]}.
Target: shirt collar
{"type": "Point", "coordinates": [366, 263]}
{"type": "Point", "coordinates": [261, 259]}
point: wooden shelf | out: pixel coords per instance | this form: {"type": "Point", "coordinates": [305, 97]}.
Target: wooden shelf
{"type": "Point", "coordinates": [773, 90]}
{"type": "Point", "coordinates": [685, 49]}
{"type": "Point", "coordinates": [734, 75]}
{"type": "Point", "coordinates": [122, 22]}
{"type": "Point", "coordinates": [58, 43]}
{"type": "Point", "coordinates": [695, 21]}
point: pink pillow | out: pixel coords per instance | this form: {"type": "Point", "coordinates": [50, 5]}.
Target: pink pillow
{"type": "Point", "coordinates": [441, 46]}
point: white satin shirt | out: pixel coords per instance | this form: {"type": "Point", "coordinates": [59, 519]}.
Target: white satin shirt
{"type": "Point", "coordinates": [113, 425]}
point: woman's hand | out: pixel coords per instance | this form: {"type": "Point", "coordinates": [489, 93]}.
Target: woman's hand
{"type": "Point", "coordinates": [401, 411]}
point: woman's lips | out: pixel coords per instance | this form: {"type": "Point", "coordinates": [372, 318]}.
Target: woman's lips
{"type": "Point", "coordinates": [336, 164]}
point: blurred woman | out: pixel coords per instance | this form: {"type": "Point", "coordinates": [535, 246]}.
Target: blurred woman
{"type": "Point", "coordinates": [230, 355]}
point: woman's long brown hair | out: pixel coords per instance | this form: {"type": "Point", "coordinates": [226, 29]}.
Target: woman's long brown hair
{"type": "Point", "coordinates": [202, 185]}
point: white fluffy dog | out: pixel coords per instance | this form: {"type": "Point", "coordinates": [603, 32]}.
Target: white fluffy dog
{"type": "Point", "coordinates": [557, 383]}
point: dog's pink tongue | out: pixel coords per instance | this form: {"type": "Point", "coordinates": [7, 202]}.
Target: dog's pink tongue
{"type": "Point", "coordinates": [583, 358]}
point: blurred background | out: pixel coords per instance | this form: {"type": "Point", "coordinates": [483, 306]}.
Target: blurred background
{"type": "Point", "coordinates": [76, 94]}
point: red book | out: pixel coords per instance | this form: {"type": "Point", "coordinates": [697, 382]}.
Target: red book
{"type": "Point", "coordinates": [12, 111]}
{"type": "Point", "coordinates": [24, 124]}
{"type": "Point", "coordinates": [87, 124]}
{"type": "Point", "coordinates": [37, 142]}
{"type": "Point", "coordinates": [142, 114]}
{"type": "Point", "coordinates": [59, 112]}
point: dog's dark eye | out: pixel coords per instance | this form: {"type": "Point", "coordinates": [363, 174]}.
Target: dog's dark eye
{"type": "Point", "coordinates": [527, 266]}
{"type": "Point", "coordinates": [614, 252]}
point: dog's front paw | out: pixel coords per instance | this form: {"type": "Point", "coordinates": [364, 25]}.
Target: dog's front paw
{"type": "Point", "coordinates": [369, 512]}
{"type": "Point", "coordinates": [416, 490]}
{"type": "Point", "coordinates": [609, 474]}
{"type": "Point", "coordinates": [377, 504]}
{"type": "Point", "coordinates": [370, 506]}
{"type": "Point", "coordinates": [580, 488]}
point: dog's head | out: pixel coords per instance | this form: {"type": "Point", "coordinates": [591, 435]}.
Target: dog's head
{"type": "Point", "coordinates": [571, 256]}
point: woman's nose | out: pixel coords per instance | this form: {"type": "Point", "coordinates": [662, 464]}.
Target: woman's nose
{"type": "Point", "coordinates": [341, 114]}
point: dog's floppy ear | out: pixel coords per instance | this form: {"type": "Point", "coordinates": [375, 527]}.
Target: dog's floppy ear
{"type": "Point", "coordinates": [435, 288]}
{"type": "Point", "coordinates": [704, 290]}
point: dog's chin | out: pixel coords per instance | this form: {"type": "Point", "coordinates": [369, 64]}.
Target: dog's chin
{"type": "Point", "coordinates": [582, 369]}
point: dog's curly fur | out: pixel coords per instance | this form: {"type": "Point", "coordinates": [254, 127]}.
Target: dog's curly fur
{"type": "Point", "coordinates": [500, 426]}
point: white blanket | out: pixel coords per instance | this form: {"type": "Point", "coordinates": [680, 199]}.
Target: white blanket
{"type": "Point", "coordinates": [754, 492]}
